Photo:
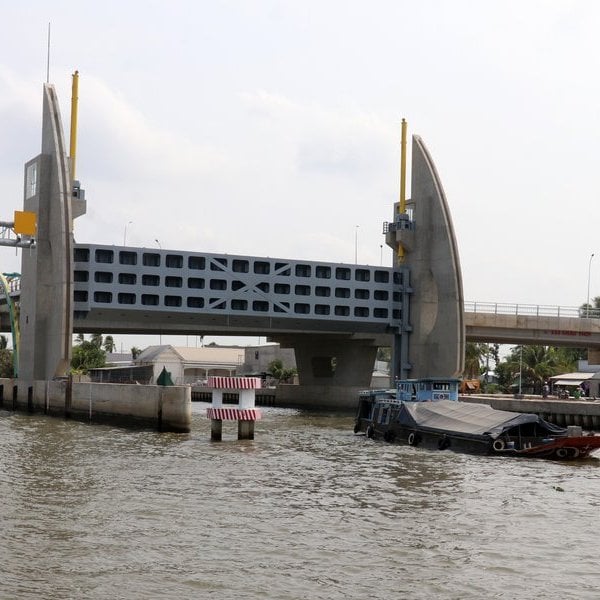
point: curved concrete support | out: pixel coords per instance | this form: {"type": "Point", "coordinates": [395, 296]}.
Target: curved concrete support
{"type": "Point", "coordinates": [46, 315]}
{"type": "Point", "coordinates": [437, 339]}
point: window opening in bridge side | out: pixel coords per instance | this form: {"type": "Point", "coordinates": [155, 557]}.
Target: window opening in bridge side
{"type": "Point", "coordinates": [80, 296]}
{"type": "Point", "coordinates": [322, 309]}
{"type": "Point", "coordinates": [151, 259]}
{"type": "Point", "coordinates": [260, 306]}
{"type": "Point", "coordinates": [127, 258]}
{"type": "Point", "coordinates": [282, 269]}
{"type": "Point", "coordinates": [81, 276]}
{"type": "Point", "coordinates": [322, 291]}
{"type": "Point", "coordinates": [194, 302]}
{"type": "Point", "coordinates": [237, 285]}
{"type": "Point", "coordinates": [103, 297]}
{"type": "Point", "coordinates": [174, 261]}
{"type": "Point", "coordinates": [382, 276]}
{"type": "Point", "coordinates": [303, 270]}
{"type": "Point", "coordinates": [362, 275]}
{"type": "Point", "coordinates": [127, 278]}
{"type": "Point", "coordinates": [217, 303]}
{"type": "Point", "coordinates": [301, 308]}
{"type": "Point", "coordinates": [361, 294]}
{"type": "Point", "coordinates": [103, 277]}
{"type": "Point", "coordinates": [342, 311]}
{"type": "Point", "coordinates": [172, 300]}
{"type": "Point", "coordinates": [153, 280]}
{"type": "Point", "coordinates": [263, 286]}
{"type": "Point", "coordinates": [150, 299]}
{"type": "Point", "coordinates": [197, 263]}
{"type": "Point", "coordinates": [261, 267]}
{"type": "Point", "coordinates": [342, 273]}
{"type": "Point", "coordinates": [281, 288]}
{"type": "Point", "coordinates": [125, 298]}
{"type": "Point", "coordinates": [302, 290]}
{"type": "Point", "coordinates": [240, 266]}
{"type": "Point", "coordinates": [281, 307]}
{"type": "Point", "coordinates": [380, 295]}
{"type": "Point", "coordinates": [380, 313]}
{"type": "Point", "coordinates": [82, 255]}
{"type": "Point", "coordinates": [361, 311]}
{"type": "Point", "coordinates": [172, 281]}
{"type": "Point", "coordinates": [196, 283]}
{"type": "Point", "coordinates": [237, 304]}
{"type": "Point", "coordinates": [323, 272]}
{"type": "Point", "coordinates": [342, 292]}
{"type": "Point", "coordinates": [218, 263]}
{"type": "Point", "coordinates": [218, 284]}
{"type": "Point", "coordinates": [104, 256]}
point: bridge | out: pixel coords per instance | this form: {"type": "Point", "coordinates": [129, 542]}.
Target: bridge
{"type": "Point", "coordinates": [334, 315]}
{"type": "Point", "coordinates": [121, 289]}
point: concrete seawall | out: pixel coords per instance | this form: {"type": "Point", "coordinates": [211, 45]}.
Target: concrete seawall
{"type": "Point", "coordinates": [585, 413]}
{"type": "Point", "coordinates": [164, 408]}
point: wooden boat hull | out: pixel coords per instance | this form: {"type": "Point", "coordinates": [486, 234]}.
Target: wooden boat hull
{"type": "Point", "coordinates": [513, 435]}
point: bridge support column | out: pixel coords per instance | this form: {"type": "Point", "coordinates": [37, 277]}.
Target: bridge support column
{"type": "Point", "coordinates": [216, 430]}
{"type": "Point", "coordinates": [245, 430]}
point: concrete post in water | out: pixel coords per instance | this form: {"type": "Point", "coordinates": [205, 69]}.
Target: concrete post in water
{"type": "Point", "coordinates": [244, 413]}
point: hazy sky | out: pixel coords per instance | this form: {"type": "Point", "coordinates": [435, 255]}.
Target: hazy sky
{"type": "Point", "coordinates": [272, 128]}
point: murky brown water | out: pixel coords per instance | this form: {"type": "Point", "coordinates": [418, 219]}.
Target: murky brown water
{"type": "Point", "coordinates": [305, 511]}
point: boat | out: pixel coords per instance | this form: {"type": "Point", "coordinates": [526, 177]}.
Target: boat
{"type": "Point", "coordinates": [427, 412]}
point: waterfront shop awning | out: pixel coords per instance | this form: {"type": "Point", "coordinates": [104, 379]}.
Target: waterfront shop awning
{"type": "Point", "coordinates": [571, 378]}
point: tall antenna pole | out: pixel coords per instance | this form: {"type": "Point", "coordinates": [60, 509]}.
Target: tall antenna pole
{"type": "Point", "coordinates": [74, 105]}
{"type": "Point", "coordinates": [48, 58]}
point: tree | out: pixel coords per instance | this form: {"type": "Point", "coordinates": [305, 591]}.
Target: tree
{"type": "Point", "coordinates": [109, 344]}
{"type": "Point", "coordinates": [278, 371]}
{"type": "Point", "coordinates": [384, 354]}
{"type": "Point", "coordinates": [135, 352]}
{"type": "Point", "coordinates": [590, 310]}
{"type": "Point", "coordinates": [536, 364]}
{"type": "Point", "coordinates": [3, 342]}
{"type": "Point", "coordinates": [96, 340]}
{"type": "Point", "coordinates": [87, 356]}
{"type": "Point", "coordinates": [475, 355]}
{"type": "Point", "coordinates": [6, 363]}
{"type": "Point", "coordinates": [79, 338]}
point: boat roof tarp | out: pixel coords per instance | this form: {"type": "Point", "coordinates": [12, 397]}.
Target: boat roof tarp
{"type": "Point", "coordinates": [466, 418]}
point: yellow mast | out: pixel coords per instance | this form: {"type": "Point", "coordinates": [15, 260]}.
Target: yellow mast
{"type": "Point", "coordinates": [402, 203]}
{"type": "Point", "coordinates": [74, 103]}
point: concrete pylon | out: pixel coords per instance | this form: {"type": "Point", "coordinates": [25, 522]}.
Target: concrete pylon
{"type": "Point", "coordinates": [436, 346]}
{"type": "Point", "coordinates": [46, 307]}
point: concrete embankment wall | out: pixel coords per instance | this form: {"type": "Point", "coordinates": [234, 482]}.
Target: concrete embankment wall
{"type": "Point", "coordinates": [585, 413]}
{"type": "Point", "coordinates": [165, 408]}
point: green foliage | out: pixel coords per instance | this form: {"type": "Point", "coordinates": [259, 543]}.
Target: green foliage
{"type": "Point", "coordinates": [536, 364]}
{"type": "Point", "coordinates": [87, 355]}
{"type": "Point", "coordinates": [3, 342]}
{"type": "Point", "coordinates": [384, 354]}
{"type": "Point", "coordinates": [135, 352]}
{"type": "Point", "coordinates": [6, 363]}
{"type": "Point", "coordinates": [96, 340]}
{"type": "Point", "coordinates": [278, 371]}
{"type": "Point", "coordinates": [109, 344]}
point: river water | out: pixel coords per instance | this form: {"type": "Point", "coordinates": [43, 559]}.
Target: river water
{"type": "Point", "coordinates": [307, 510]}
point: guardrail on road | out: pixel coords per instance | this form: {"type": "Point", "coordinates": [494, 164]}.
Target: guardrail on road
{"type": "Point", "coordinates": [531, 310]}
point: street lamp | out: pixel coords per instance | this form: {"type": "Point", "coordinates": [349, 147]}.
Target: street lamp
{"type": "Point", "coordinates": [587, 306]}
{"type": "Point", "coordinates": [381, 255]}
{"type": "Point", "coordinates": [356, 245]}
{"type": "Point", "coordinates": [158, 243]}
{"type": "Point", "coordinates": [125, 233]}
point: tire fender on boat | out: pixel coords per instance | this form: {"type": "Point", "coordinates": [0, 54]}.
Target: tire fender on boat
{"type": "Point", "coordinates": [370, 431]}
{"type": "Point", "coordinates": [413, 438]}
{"type": "Point", "coordinates": [444, 443]}
{"type": "Point", "coordinates": [562, 452]}
{"type": "Point", "coordinates": [499, 445]}
{"type": "Point", "coordinates": [357, 428]}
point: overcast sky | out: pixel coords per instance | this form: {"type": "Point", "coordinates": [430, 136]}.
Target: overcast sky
{"type": "Point", "coordinates": [271, 128]}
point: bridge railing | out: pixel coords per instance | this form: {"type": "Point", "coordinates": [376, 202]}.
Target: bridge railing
{"type": "Point", "coordinates": [531, 310]}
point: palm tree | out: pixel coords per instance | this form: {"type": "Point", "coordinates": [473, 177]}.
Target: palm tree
{"type": "Point", "coordinates": [109, 344]}
{"type": "Point", "coordinates": [96, 340]}
{"type": "Point", "coordinates": [475, 355]}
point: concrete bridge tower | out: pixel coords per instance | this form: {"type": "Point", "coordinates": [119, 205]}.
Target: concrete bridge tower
{"type": "Point", "coordinates": [46, 307]}
{"type": "Point", "coordinates": [431, 342]}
